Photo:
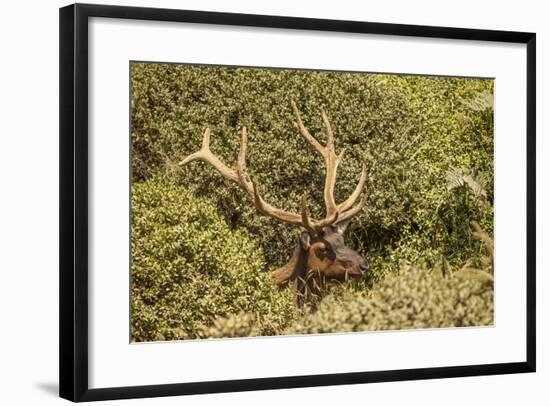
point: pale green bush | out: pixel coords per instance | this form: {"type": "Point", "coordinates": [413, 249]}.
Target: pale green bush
{"type": "Point", "coordinates": [235, 325]}
{"type": "Point", "coordinates": [188, 268]}
{"type": "Point", "coordinates": [416, 298]}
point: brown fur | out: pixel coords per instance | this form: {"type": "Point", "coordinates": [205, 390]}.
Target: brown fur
{"type": "Point", "coordinates": [317, 262]}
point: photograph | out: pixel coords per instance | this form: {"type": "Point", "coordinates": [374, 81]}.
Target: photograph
{"type": "Point", "coordinates": [268, 203]}
{"type": "Point", "coordinates": [282, 202]}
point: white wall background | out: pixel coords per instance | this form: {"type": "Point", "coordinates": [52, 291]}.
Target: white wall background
{"type": "Point", "coordinates": [29, 188]}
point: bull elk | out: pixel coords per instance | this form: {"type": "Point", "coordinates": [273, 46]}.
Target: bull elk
{"type": "Point", "coordinates": [320, 256]}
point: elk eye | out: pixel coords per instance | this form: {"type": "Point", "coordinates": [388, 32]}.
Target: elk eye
{"type": "Point", "coordinates": [323, 250]}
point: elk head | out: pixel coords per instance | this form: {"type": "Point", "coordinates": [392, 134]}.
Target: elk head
{"type": "Point", "coordinates": [321, 256]}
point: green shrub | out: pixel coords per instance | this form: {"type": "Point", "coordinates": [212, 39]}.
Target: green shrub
{"type": "Point", "coordinates": [189, 268]}
{"type": "Point", "coordinates": [200, 252]}
{"type": "Point", "coordinates": [409, 130]}
{"type": "Point", "coordinates": [416, 298]}
{"type": "Point", "coordinates": [233, 326]}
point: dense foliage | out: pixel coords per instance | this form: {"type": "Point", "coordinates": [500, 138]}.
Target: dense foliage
{"type": "Point", "coordinates": [413, 298]}
{"type": "Point", "coordinates": [188, 268]}
{"type": "Point", "coordinates": [416, 298]}
{"type": "Point", "coordinates": [427, 143]}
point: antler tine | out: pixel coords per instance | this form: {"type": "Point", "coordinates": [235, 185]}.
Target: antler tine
{"type": "Point", "coordinates": [341, 155]}
{"type": "Point", "coordinates": [350, 201]}
{"type": "Point", "coordinates": [330, 181]}
{"type": "Point", "coordinates": [305, 133]}
{"type": "Point", "coordinates": [268, 210]}
{"type": "Point", "coordinates": [330, 134]}
{"type": "Point", "coordinates": [241, 161]}
{"type": "Point", "coordinates": [200, 153]}
{"type": "Point", "coordinates": [353, 211]}
{"type": "Point", "coordinates": [204, 154]}
{"type": "Point", "coordinates": [306, 222]}
{"type": "Point", "coordinates": [328, 220]}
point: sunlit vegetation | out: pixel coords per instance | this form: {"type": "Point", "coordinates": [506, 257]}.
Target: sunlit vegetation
{"type": "Point", "coordinates": [201, 255]}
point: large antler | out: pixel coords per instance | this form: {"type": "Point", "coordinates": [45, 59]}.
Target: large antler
{"type": "Point", "coordinates": [345, 209]}
{"type": "Point", "coordinates": [240, 177]}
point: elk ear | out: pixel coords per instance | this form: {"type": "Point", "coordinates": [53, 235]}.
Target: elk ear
{"type": "Point", "coordinates": [342, 226]}
{"type": "Point", "coordinates": [305, 240]}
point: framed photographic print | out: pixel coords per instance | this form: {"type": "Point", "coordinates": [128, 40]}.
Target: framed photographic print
{"type": "Point", "coordinates": [256, 202]}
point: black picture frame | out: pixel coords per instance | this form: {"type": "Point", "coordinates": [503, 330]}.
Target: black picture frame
{"type": "Point", "coordinates": [73, 254]}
